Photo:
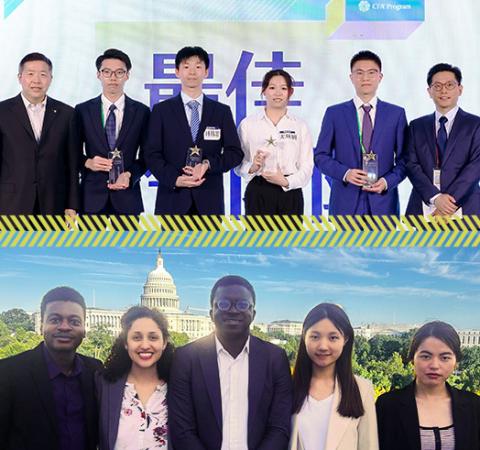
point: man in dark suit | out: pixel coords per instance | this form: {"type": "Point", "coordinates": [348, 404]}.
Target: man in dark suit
{"type": "Point", "coordinates": [444, 151]}
{"type": "Point", "coordinates": [47, 394]}
{"type": "Point", "coordinates": [38, 149]}
{"type": "Point", "coordinates": [352, 130]}
{"type": "Point", "coordinates": [191, 126]}
{"type": "Point", "coordinates": [110, 122]}
{"type": "Point", "coordinates": [230, 390]}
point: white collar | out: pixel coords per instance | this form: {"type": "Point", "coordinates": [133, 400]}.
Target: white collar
{"type": "Point", "coordinates": [450, 115]}
{"type": "Point", "coordinates": [220, 348]}
{"type": "Point", "coordinates": [359, 102]}
{"type": "Point", "coordinates": [27, 103]}
{"type": "Point", "coordinates": [119, 103]}
{"type": "Point", "coordinates": [186, 98]}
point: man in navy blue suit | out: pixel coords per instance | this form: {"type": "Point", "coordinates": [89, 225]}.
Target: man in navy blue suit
{"type": "Point", "coordinates": [444, 151]}
{"type": "Point", "coordinates": [192, 141]}
{"type": "Point", "coordinates": [110, 122]}
{"type": "Point", "coordinates": [357, 127]}
{"type": "Point", "coordinates": [230, 389]}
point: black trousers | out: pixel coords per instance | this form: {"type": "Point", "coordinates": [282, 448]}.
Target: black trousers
{"type": "Point", "coordinates": [264, 198]}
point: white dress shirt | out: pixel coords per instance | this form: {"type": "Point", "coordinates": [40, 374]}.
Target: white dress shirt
{"type": "Point", "coordinates": [188, 111]}
{"type": "Point", "coordinates": [291, 144]}
{"type": "Point", "coordinates": [450, 115]}
{"type": "Point", "coordinates": [313, 421]}
{"type": "Point", "coordinates": [233, 374]}
{"type": "Point", "coordinates": [358, 102]}
{"type": "Point", "coordinates": [119, 111]}
{"type": "Point", "coordinates": [36, 114]}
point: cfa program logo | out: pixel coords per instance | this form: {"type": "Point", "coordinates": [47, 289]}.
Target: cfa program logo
{"type": "Point", "coordinates": [364, 6]}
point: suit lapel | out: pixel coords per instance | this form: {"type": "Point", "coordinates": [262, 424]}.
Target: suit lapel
{"type": "Point", "coordinates": [379, 127]}
{"type": "Point", "coordinates": [337, 424]}
{"type": "Point", "coordinates": [408, 413]}
{"type": "Point", "coordinates": [207, 111]}
{"type": "Point", "coordinates": [429, 129]}
{"type": "Point", "coordinates": [95, 113]}
{"type": "Point", "coordinates": [51, 113]}
{"type": "Point", "coordinates": [114, 406]}
{"type": "Point", "coordinates": [462, 418]}
{"type": "Point", "coordinates": [20, 111]}
{"type": "Point", "coordinates": [454, 132]}
{"type": "Point", "coordinates": [209, 363]}
{"type": "Point", "coordinates": [179, 111]}
{"type": "Point", "coordinates": [351, 121]}
{"type": "Point", "coordinates": [90, 409]}
{"type": "Point", "coordinates": [257, 369]}
{"type": "Point", "coordinates": [128, 118]}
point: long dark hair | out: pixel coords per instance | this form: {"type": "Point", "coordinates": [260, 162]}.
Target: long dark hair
{"type": "Point", "coordinates": [350, 400]}
{"type": "Point", "coordinates": [119, 363]}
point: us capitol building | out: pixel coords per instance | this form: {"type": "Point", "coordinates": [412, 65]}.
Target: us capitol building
{"type": "Point", "coordinates": [159, 292]}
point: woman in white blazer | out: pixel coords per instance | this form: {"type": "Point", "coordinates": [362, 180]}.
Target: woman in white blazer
{"type": "Point", "coordinates": [333, 409]}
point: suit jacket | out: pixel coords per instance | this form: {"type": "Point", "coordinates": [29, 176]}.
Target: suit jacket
{"type": "Point", "coordinates": [460, 168]}
{"type": "Point", "coordinates": [346, 433]}
{"type": "Point", "coordinates": [47, 170]}
{"type": "Point", "coordinates": [195, 404]}
{"type": "Point", "coordinates": [398, 425]}
{"type": "Point", "coordinates": [169, 138]}
{"type": "Point", "coordinates": [27, 411]}
{"type": "Point", "coordinates": [338, 149]}
{"type": "Point", "coordinates": [131, 141]}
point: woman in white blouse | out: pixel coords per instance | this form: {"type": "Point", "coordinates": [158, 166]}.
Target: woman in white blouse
{"type": "Point", "coordinates": [132, 390]}
{"type": "Point", "coordinates": [278, 150]}
{"type": "Point", "coordinates": [333, 409]}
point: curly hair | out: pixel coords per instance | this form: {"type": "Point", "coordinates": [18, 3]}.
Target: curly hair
{"type": "Point", "coordinates": [118, 362]}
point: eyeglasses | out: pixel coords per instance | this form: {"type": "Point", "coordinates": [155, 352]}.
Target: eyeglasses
{"type": "Point", "coordinates": [119, 73]}
{"type": "Point", "coordinates": [449, 85]}
{"type": "Point", "coordinates": [224, 304]}
{"type": "Point", "coordinates": [368, 73]}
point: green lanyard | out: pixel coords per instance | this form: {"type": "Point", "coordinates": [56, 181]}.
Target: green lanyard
{"type": "Point", "coordinates": [102, 114]}
{"type": "Point", "coordinates": [360, 134]}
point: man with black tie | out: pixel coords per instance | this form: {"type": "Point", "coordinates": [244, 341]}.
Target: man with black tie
{"type": "Point", "coordinates": [38, 149]}
{"type": "Point", "coordinates": [112, 125]}
{"type": "Point", "coordinates": [192, 141]}
{"type": "Point", "coordinates": [47, 394]}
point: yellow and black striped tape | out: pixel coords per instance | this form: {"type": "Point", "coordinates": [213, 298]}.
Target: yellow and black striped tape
{"type": "Point", "coordinates": [238, 231]}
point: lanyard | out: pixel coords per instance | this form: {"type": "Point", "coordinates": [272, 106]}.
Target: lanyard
{"type": "Point", "coordinates": [360, 133]}
{"type": "Point", "coordinates": [102, 114]}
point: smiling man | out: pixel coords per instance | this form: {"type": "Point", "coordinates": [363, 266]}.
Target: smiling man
{"type": "Point", "coordinates": [444, 151]}
{"type": "Point", "coordinates": [47, 394]}
{"type": "Point", "coordinates": [365, 128]}
{"type": "Point", "coordinates": [230, 390]}
{"type": "Point", "coordinates": [107, 123]}
{"type": "Point", "coordinates": [38, 148]}
{"type": "Point", "coordinates": [192, 141]}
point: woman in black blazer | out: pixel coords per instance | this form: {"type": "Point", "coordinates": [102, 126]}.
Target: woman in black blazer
{"type": "Point", "coordinates": [429, 414]}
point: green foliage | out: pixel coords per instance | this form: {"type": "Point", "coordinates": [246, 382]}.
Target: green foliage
{"type": "Point", "coordinates": [14, 342]}
{"type": "Point", "coordinates": [178, 339]}
{"type": "Point", "coordinates": [17, 318]}
{"type": "Point", "coordinates": [97, 343]}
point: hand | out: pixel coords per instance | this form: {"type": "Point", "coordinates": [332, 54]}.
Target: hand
{"type": "Point", "coordinates": [357, 177]}
{"type": "Point", "coordinates": [258, 161]}
{"type": "Point", "coordinates": [445, 205]}
{"type": "Point", "coordinates": [98, 164]}
{"type": "Point", "coordinates": [378, 187]}
{"type": "Point", "coordinates": [123, 181]}
{"type": "Point", "coordinates": [196, 172]}
{"type": "Point", "coordinates": [188, 181]}
{"type": "Point", "coordinates": [276, 177]}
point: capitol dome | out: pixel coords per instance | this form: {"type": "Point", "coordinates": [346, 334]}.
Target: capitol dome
{"type": "Point", "coordinates": [159, 291]}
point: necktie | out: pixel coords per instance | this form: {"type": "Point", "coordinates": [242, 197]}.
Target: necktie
{"type": "Point", "coordinates": [111, 127]}
{"type": "Point", "coordinates": [195, 119]}
{"type": "Point", "coordinates": [367, 128]}
{"type": "Point", "coordinates": [442, 137]}
{"type": "Point", "coordinates": [36, 120]}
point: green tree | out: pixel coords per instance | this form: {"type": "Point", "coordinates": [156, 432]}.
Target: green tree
{"type": "Point", "coordinates": [17, 318]}
{"type": "Point", "coordinates": [97, 343]}
{"type": "Point", "coordinates": [179, 339]}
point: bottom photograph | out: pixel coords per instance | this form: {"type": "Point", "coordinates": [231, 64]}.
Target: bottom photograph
{"type": "Point", "coordinates": [236, 349]}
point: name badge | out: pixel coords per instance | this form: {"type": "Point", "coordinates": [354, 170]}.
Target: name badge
{"type": "Point", "coordinates": [212, 134]}
{"type": "Point", "coordinates": [288, 134]}
{"type": "Point", "coordinates": [436, 178]}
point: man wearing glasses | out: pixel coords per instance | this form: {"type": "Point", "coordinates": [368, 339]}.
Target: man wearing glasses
{"type": "Point", "coordinates": [360, 146]}
{"type": "Point", "coordinates": [444, 151]}
{"type": "Point", "coordinates": [112, 128]}
{"type": "Point", "coordinates": [230, 390]}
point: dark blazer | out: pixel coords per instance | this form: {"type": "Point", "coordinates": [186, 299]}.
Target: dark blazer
{"type": "Point", "coordinates": [398, 425]}
{"type": "Point", "coordinates": [27, 411]}
{"type": "Point", "coordinates": [48, 169]}
{"type": "Point", "coordinates": [338, 149]}
{"type": "Point", "coordinates": [195, 403]}
{"type": "Point", "coordinates": [131, 141]}
{"type": "Point", "coordinates": [460, 168]}
{"type": "Point", "coordinates": [169, 139]}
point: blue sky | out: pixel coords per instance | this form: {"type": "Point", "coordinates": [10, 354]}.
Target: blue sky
{"type": "Point", "coordinates": [374, 285]}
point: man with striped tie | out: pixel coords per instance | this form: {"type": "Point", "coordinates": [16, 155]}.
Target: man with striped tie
{"type": "Point", "coordinates": [192, 140]}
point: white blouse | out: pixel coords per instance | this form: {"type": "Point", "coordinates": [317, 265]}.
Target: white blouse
{"type": "Point", "coordinates": [289, 145]}
{"type": "Point", "coordinates": [313, 421]}
{"type": "Point", "coordinates": [143, 428]}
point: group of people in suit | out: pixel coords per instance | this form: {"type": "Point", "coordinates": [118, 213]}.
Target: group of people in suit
{"type": "Point", "coordinates": [229, 390]}
{"type": "Point", "coordinates": [189, 141]}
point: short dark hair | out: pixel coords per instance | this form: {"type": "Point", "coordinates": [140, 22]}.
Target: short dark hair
{"type": "Point", "coordinates": [118, 362]}
{"type": "Point", "coordinates": [35, 56]}
{"type": "Point", "coordinates": [188, 52]}
{"type": "Point", "coordinates": [439, 330]}
{"type": "Point", "coordinates": [62, 294]}
{"type": "Point", "coordinates": [351, 404]}
{"type": "Point", "coordinates": [113, 53]}
{"type": "Point", "coordinates": [444, 67]}
{"type": "Point", "coordinates": [230, 280]}
{"type": "Point", "coordinates": [277, 72]}
{"type": "Point", "coordinates": [366, 55]}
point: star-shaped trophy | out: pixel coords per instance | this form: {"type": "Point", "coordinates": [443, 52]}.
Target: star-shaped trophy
{"type": "Point", "coordinates": [370, 165]}
{"type": "Point", "coordinates": [116, 157]}
{"type": "Point", "coordinates": [194, 156]}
